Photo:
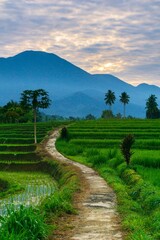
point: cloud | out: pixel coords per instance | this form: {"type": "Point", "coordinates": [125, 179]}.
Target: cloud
{"type": "Point", "coordinates": [100, 36]}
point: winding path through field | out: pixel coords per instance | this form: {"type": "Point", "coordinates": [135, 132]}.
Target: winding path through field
{"type": "Point", "coordinates": [97, 218]}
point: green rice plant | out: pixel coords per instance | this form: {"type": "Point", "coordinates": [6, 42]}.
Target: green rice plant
{"type": "Point", "coordinates": [137, 188]}
{"type": "Point", "coordinates": [133, 222]}
{"type": "Point", "coordinates": [61, 201]}
{"type": "Point", "coordinates": [90, 152]}
{"type": "Point", "coordinates": [131, 177]}
{"type": "Point", "coordinates": [111, 153]}
{"type": "Point", "coordinates": [22, 156]}
{"type": "Point", "coordinates": [26, 222]}
{"type": "Point", "coordinates": [141, 234]}
{"type": "Point", "coordinates": [17, 147]}
{"type": "Point", "coordinates": [25, 188]}
{"type": "Point", "coordinates": [58, 203]}
{"type": "Point", "coordinates": [147, 158]}
{"type": "Point", "coordinates": [151, 202]}
{"type": "Point", "coordinates": [114, 162]}
{"type": "Point", "coordinates": [98, 159]}
{"type": "Point", "coordinates": [149, 174]}
{"type": "Point", "coordinates": [155, 226]}
{"type": "Point", "coordinates": [147, 144]}
{"type": "Point", "coordinates": [121, 168]}
{"type": "Point", "coordinates": [70, 149]}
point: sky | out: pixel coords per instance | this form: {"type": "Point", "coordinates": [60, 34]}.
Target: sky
{"type": "Point", "coordinates": [118, 37]}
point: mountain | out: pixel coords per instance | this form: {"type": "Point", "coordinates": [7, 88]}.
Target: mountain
{"type": "Point", "coordinates": [74, 91]}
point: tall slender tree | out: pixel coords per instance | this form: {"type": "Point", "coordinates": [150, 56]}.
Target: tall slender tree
{"type": "Point", "coordinates": [124, 98]}
{"type": "Point", "coordinates": [110, 98]}
{"type": "Point", "coordinates": [152, 110]}
{"type": "Point", "coordinates": [34, 100]}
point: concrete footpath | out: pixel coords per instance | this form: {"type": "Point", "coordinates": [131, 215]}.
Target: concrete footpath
{"type": "Point", "coordinates": [97, 216]}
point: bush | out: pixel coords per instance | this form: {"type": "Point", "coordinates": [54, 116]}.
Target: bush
{"type": "Point", "coordinates": [64, 133]}
{"type": "Point", "coordinates": [126, 147]}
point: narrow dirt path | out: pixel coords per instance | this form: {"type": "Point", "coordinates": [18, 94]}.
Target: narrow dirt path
{"type": "Point", "coordinates": [97, 218]}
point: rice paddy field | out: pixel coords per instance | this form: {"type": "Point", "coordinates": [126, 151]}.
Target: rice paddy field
{"type": "Point", "coordinates": [97, 144]}
{"type": "Point", "coordinates": [17, 154]}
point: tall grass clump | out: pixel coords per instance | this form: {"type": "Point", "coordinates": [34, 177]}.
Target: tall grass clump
{"type": "Point", "coordinates": [67, 184]}
{"type": "Point", "coordinates": [28, 223]}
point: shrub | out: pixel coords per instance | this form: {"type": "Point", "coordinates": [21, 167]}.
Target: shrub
{"type": "Point", "coordinates": [64, 133]}
{"type": "Point", "coordinates": [126, 147]}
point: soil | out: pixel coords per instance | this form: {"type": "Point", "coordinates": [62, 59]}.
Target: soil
{"type": "Point", "coordinates": [97, 217]}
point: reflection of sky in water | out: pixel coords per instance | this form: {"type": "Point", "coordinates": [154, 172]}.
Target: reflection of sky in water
{"type": "Point", "coordinates": [32, 195]}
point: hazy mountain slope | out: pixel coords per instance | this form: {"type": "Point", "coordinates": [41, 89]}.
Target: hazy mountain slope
{"type": "Point", "coordinates": [32, 70]}
{"type": "Point", "coordinates": [79, 105]}
{"type": "Point", "coordinates": [74, 91]}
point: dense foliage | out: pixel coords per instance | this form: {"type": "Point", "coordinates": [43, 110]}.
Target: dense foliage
{"type": "Point", "coordinates": [35, 99]}
{"type": "Point", "coordinates": [152, 110]}
{"type": "Point", "coordinates": [110, 98]}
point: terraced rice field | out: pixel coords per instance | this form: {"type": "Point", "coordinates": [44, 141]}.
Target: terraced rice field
{"type": "Point", "coordinates": [33, 188]}
{"type": "Point", "coordinates": [97, 144]}
{"type": "Point", "coordinates": [17, 153]}
{"type": "Point", "coordinates": [17, 141]}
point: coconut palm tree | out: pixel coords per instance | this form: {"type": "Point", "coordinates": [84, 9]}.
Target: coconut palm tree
{"type": "Point", "coordinates": [124, 98]}
{"type": "Point", "coordinates": [110, 98]}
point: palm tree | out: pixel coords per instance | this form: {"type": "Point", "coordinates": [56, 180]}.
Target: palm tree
{"type": "Point", "coordinates": [124, 98]}
{"type": "Point", "coordinates": [110, 98]}
{"type": "Point", "coordinates": [152, 110]}
{"type": "Point", "coordinates": [34, 100]}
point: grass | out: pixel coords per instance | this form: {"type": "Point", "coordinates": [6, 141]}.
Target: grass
{"type": "Point", "coordinates": [17, 223]}
{"type": "Point", "coordinates": [24, 183]}
{"type": "Point", "coordinates": [96, 143]}
{"type": "Point", "coordinates": [25, 223]}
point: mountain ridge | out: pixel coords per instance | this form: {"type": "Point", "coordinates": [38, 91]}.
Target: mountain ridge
{"type": "Point", "coordinates": [63, 80]}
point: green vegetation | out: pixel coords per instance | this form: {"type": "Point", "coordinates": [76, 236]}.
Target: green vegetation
{"type": "Point", "coordinates": [34, 191]}
{"type": "Point", "coordinates": [124, 98]}
{"type": "Point", "coordinates": [36, 222]}
{"type": "Point", "coordinates": [110, 98]}
{"type": "Point", "coordinates": [33, 100]}
{"type": "Point", "coordinates": [152, 110]}
{"type": "Point", "coordinates": [126, 147]}
{"type": "Point", "coordinates": [97, 144]}
{"type": "Point", "coordinates": [25, 223]}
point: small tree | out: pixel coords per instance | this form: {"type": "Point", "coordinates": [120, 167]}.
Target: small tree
{"type": "Point", "coordinates": [125, 146]}
{"type": "Point", "coordinates": [34, 100]}
{"type": "Point", "coordinates": [64, 133]}
{"type": "Point", "coordinates": [107, 114]}
{"type": "Point", "coordinates": [90, 117]}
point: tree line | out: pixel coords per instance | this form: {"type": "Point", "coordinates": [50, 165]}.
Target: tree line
{"type": "Point", "coordinates": [22, 111]}
{"type": "Point", "coordinates": [152, 110]}
{"type": "Point", "coordinates": [27, 109]}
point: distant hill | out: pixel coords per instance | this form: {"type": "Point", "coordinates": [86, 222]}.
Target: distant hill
{"type": "Point", "coordinates": [74, 91]}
